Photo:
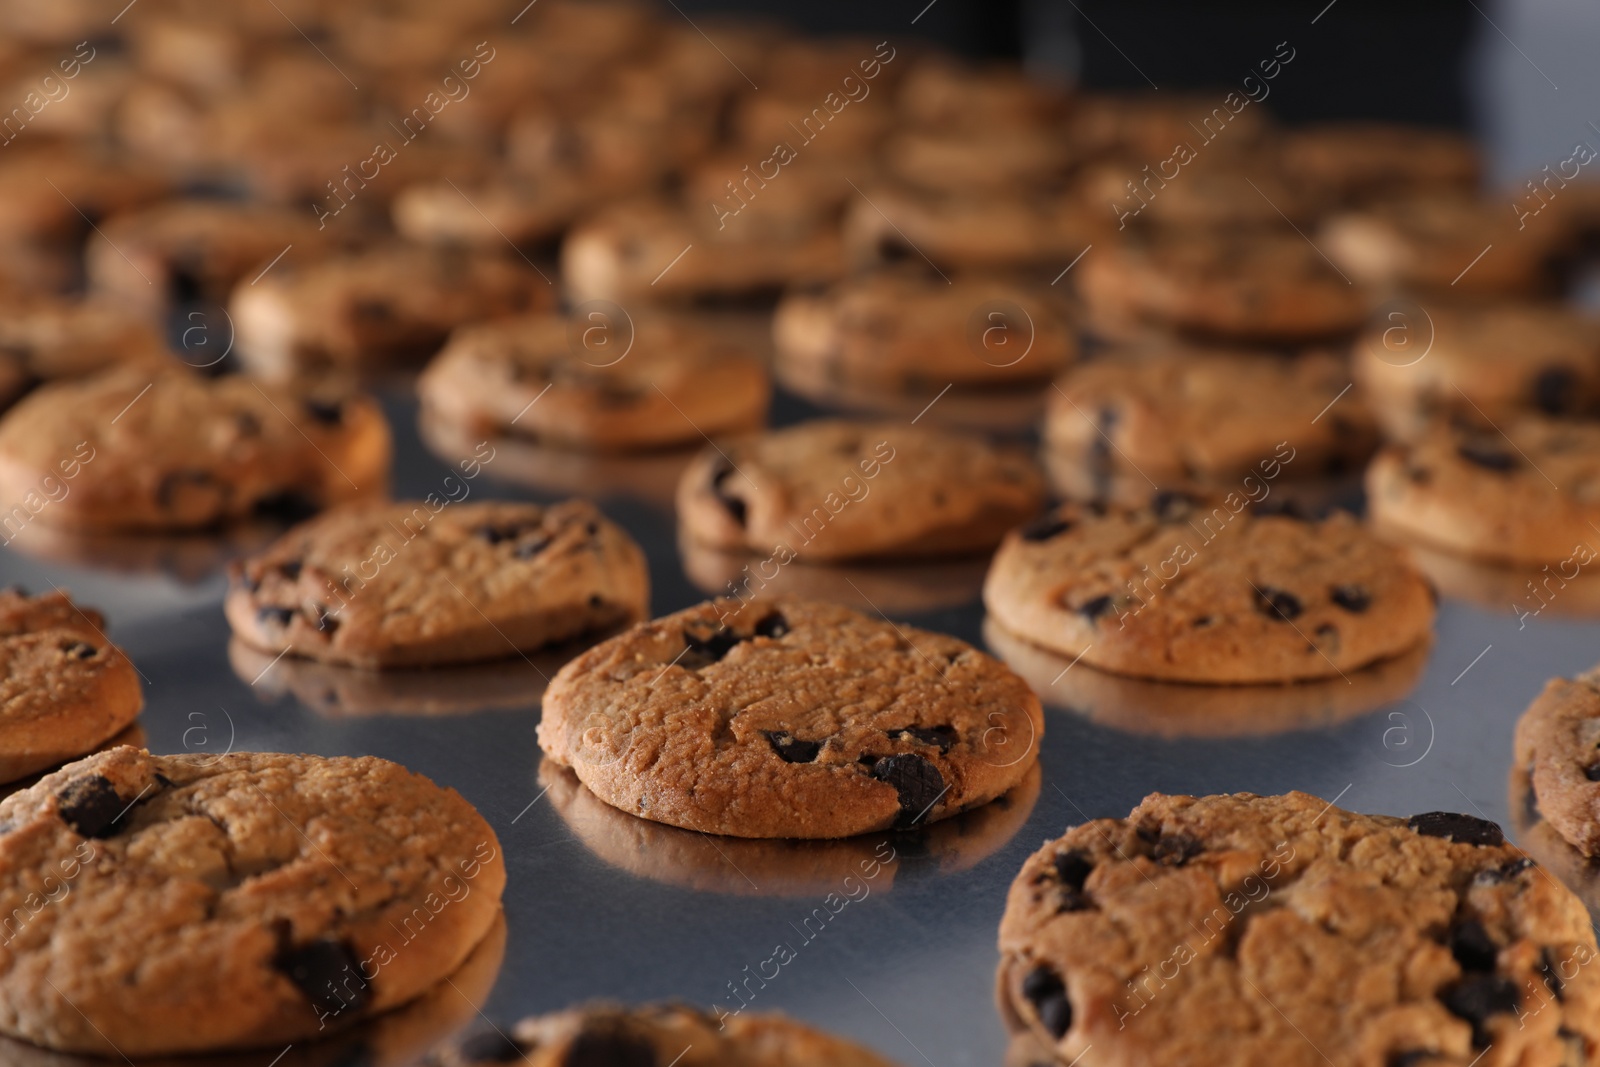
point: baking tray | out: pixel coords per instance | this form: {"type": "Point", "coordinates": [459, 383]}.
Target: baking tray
{"type": "Point", "coordinates": [599, 904]}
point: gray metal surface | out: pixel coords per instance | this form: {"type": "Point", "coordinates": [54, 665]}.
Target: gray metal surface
{"type": "Point", "coordinates": [596, 908]}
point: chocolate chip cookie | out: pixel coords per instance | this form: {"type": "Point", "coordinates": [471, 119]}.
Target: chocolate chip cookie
{"type": "Point", "coordinates": [1356, 161]}
{"type": "Point", "coordinates": [1288, 931]}
{"type": "Point", "coordinates": [377, 308]}
{"type": "Point", "coordinates": [1478, 363]}
{"type": "Point", "coordinates": [889, 223]}
{"type": "Point", "coordinates": [658, 1035]}
{"type": "Point", "coordinates": [430, 582]}
{"type": "Point", "coordinates": [1211, 592]}
{"type": "Point", "coordinates": [834, 489]}
{"type": "Point", "coordinates": [794, 719]}
{"type": "Point", "coordinates": [1266, 286]}
{"type": "Point", "coordinates": [909, 331]}
{"type": "Point", "coordinates": [171, 451]}
{"type": "Point", "coordinates": [1528, 493]}
{"type": "Point", "coordinates": [66, 689]}
{"type": "Point", "coordinates": [1558, 746]}
{"type": "Point", "coordinates": [615, 381]}
{"type": "Point", "coordinates": [1175, 416]}
{"type": "Point", "coordinates": [43, 338]}
{"type": "Point", "coordinates": [167, 904]}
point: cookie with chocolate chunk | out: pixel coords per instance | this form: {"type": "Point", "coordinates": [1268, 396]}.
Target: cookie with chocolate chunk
{"type": "Point", "coordinates": [170, 451]}
{"type": "Point", "coordinates": [430, 582]}
{"type": "Point", "coordinates": [790, 719]}
{"type": "Point", "coordinates": [1281, 929]}
{"type": "Point", "coordinates": [175, 904]}
{"type": "Point", "coordinates": [656, 1035]}
{"type": "Point", "coordinates": [1558, 748]}
{"type": "Point", "coordinates": [1208, 591]}
{"type": "Point", "coordinates": [1525, 493]}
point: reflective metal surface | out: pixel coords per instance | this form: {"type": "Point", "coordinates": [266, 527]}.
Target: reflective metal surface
{"type": "Point", "coordinates": [603, 905]}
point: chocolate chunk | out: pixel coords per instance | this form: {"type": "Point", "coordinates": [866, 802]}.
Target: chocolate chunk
{"type": "Point", "coordinates": [790, 748]}
{"type": "Point", "coordinates": [249, 425]}
{"type": "Point", "coordinates": [1278, 603]}
{"type": "Point", "coordinates": [1410, 1057]}
{"type": "Point", "coordinates": [918, 782]}
{"type": "Point", "coordinates": [1169, 505]}
{"type": "Point", "coordinates": [326, 622]}
{"type": "Point", "coordinates": [1547, 969]}
{"type": "Point", "coordinates": [327, 972]}
{"type": "Point", "coordinates": [708, 649]}
{"type": "Point", "coordinates": [1476, 998]}
{"type": "Point", "coordinates": [327, 412]}
{"type": "Point", "coordinates": [495, 534]}
{"type": "Point", "coordinates": [1093, 609]}
{"type": "Point", "coordinates": [1072, 871]}
{"type": "Point", "coordinates": [91, 806]}
{"type": "Point", "coordinates": [1472, 946]}
{"type": "Point", "coordinates": [1352, 598]}
{"type": "Point", "coordinates": [529, 549]}
{"type": "Point", "coordinates": [608, 1048]}
{"type": "Point", "coordinates": [1048, 995]}
{"type": "Point", "coordinates": [1282, 507]}
{"type": "Point", "coordinates": [1592, 772]}
{"type": "Point", "coordinates": [275, 616]}
{"type": "Point", "coordinates": [1487, 455]}
{"type": "Point", "coordinates": [290, 505]}
{"type": "Point", "coordinates": [290, 569]}
{"type": "Point", "coordinates": [80, 650]}
{"type": "Point", "coordinates": [942, 736]}
{"type": "Point", "coordinates": [1503, 873]}
{"type": "Point", "coordinates": [1462, 829]}
{"type": "Point", "coordinates": [1555, 390]}
{"type": "Point", "coordinates": [491, 1047]}
{"type": "Point", "coordinates": [734, 506]}
{"type": "Point", "coordinates": [1044, 528]}
{"type": "Point", "coordinates": [1174, 850]}
{"type": "Point", "coordinates": [773, 626]}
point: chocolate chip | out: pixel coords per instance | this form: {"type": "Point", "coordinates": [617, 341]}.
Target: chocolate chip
{"type": "Point", "coordinates": [327, 972]}
{"type": "Point", "coordinates": [529, 549]}
{"type": "Point", "coordinates": [1472, 946]}
{"type": "Point", "coordinates": [734, 506]}
{"type": "Point", "coordinates": [91, 806]}
{"type": "Point", "coordinates": [326, 622]}
{"type": "Point", "coordinates": [1352, 598]}
{"type": "Point", "coordinates": [918, 782]}
{"type": "Point", "coordinates": [1072, 871]}
{"type": "Point", "coordinates": [80, 650]}
{"type": "Point", "coordinates": [1093, 609]}
{"type": "Point", "coordinates": [942, 736]}
{"type": "Point", "coordinates": [1503, 873]}
{"type": "Point", "coordinates": [1278, 603]}
{"type": "Point", "coordinates": [708, 649]}
{"type": "Point", "coordinates": [596, 600]}
{"type": "Point", "coordinates": [327, 412]}
{"type": "Point", "coordinates": [491, 1047]}
{"type": "Point", "coordinates": [1462, 829]}
{"type": "Point", "coordinates": [790, 748]}
{"type": "Point", "coordinates": [608, 1048]}
{"type": "Point", "coordinates": [1044, 528]}
{"type": "Point", "coordinates": [373, 309]}
{"type": "Point", "coordinates": [1476, 998]}
{"type": "Point", "coordinates": [495, 534]}
{"type": "Point", "coordinates": [1410, 1057]}
{"type": "Point", "coordinates": [773, 626]}
{"type": "Point", "coordinates": [275, 616]}
{"type": "Point", "coordinates": [1418, 475]}
{"type": "Point", "coordinates": [1487, 455]}
{"type": "Point", "coordinates": [1281, 507]}
{"type": "Point", "coordinates": [1169, 505]}
{"type": "Point", "coordinates": [1592, 772]}
{"type": "Point", "coordinates": [1555, 390]}
{"type": "Point", "coordinates": [1048, 995]}
{"type": "Point", "coordinates": [290, 569]}
{"type": "Point", "coordinates": [291, 505]}
{"type": "Point", "coordinates": [1174, 850]}
{"type": "Point", "coordinates": [249, 425]}
{"type": "Point", "coordinates": [1552, 980]}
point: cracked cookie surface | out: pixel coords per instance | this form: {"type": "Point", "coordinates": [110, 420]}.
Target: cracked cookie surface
{"type": "Point", "coordinates": [790, 719]}
{"type": "Point", "coordinates": [1283, 931]}
{"type": "Point", "coordinates": [1208, 592]}
{"type": "Point", "coordinates": [427, 582]}
{"type": "Point", "coordinates": [165, 904]}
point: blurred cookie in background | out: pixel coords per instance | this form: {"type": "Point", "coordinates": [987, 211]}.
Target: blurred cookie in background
{"type": "Point", "coordinates": [1046, 230]}
{"type": "Point", "coordinates": [49, 338]}
{"type": "Point", "coordinates": [1356, 162]}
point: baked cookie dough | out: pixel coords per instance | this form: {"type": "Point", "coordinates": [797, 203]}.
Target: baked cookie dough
{"type": "Point", "coordinates": [171, 451]}
{"type": "Point", "coordinates": [831, 490]}
{"type": "Point", "coordinates": [1283, 930]}
{"type": "Point", "coordinates": [171, 904]}
{"type": "Point", "coordinates": [429, 582]}
{"type": "Point", "coordinates": [1210, 592]}
{"type": "Point", "coordinates": [1558, 747]}
{"type": "Point", "coordinates": [790, 719]}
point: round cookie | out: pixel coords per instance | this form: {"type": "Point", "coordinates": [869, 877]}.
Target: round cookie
{"type": "Point", "coordinates": [616, 382]}
{"type": "Point", "coordinates": [1235, 189]}
{"type": "Point", "coordinates": [1527, 495]}
{"type": "Point", "coordinates": [794, 719]}
{"type": "Point", "coordinates": [1249, 286]}
{"type": "Point", "coordinates": [675, 1034]}
{"type": "Point", "coordinates": [1208, 592]}
{"type": "Point", "coordinates": [65, 689]}
{"type": "Point", "coordinates": [1353, 161]}
{"type": "Point", "coordinates": [376, 308]}
{"type": "Point", "coordinates": [172, 451]}
{"type": "Point", "coordinates": [831, 489]}
{"type": "Point", "coordinates": [915, 332]}
{"type": "Point", "coordinates": [1147, 126]}
{"type": "Point", "coordinates": [448, 583]}
{"type": "Point", "coordinates": [1283, 930]}
{"type": "Point", "coordinates": [1176, 416]}
{"type": "Point", "coordinates": [1478, 362]}
{"type": "Point", "coordinates": [890, 223]}
{"type": "Point", "coordinates": [167, 904]}
{"type": "Point", "coordinates": [1558, 746]}
{"type": "Point", "coordinates": [43, 338]}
